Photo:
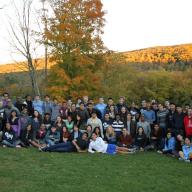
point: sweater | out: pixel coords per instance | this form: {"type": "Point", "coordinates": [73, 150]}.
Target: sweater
{"type": "Point", "coordinates": [125, 140]}
{"type": "Point", "coordinates": [98, 145]}
{"type": "Point", "coordinates": [149, 116]}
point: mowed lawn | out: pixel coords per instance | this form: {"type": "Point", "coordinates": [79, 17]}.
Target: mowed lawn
{"type": "Point", "coordinates": [27, 170]}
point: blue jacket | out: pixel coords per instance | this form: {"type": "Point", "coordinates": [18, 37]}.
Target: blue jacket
{"type": "Point", "coordinates": [187, 150]}
{"type": "Point", "coordinates": [169, 144]}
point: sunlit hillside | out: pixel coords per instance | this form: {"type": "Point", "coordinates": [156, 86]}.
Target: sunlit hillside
{"type": "Point", "coordinates": [21, 66]}
{"type": "Point", "coordinates": [161, 54]}
{"type": "Point", "coordinates": [159, 72]}
{"type": "Point", "coordinates": [157, 55]}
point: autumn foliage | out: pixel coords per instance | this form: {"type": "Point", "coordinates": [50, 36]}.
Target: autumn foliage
{"type": "Point", "coordinates": [74, 36]}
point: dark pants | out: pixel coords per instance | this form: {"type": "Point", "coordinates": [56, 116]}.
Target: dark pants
{"type": "Point", "coordinates": [60, 147]}
{"type": "Point", "coordinates": [157, 143]}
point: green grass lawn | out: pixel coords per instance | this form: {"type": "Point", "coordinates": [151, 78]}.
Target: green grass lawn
{"type": "Point", "coordinates": [27, 170]}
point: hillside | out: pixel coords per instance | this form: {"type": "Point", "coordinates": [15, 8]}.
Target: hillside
{"type": "Point", "coordinates": [159, 72]}
{"type": "Point", "coordinates": [158, 55]}
{"type": "Point", "coordinates": [20, 66]}
{"type": "Point", "coordinates": [161, 54]}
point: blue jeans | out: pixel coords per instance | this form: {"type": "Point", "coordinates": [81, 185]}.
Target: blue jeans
{"type": "Point", "coordinates": [7, 143]}
{"type": "Point", "coordinates": [50, 142]}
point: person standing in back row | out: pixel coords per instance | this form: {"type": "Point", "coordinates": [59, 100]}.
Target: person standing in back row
{"type": "Point", "coordinates": [162, 118]}
{"type": "Point", "coordinates": [38, 104]}
{"type": "Point", "coordinates": [188, 123]}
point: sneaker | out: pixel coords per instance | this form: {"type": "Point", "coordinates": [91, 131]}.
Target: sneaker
{"type": "Point", "coordinates": [181, 159]}
{"type": "Point", "coordinates": [18, 146]}
{"type": "Point", "coordinates": [187, 161]}
{"type": "Point", "coordinates": [4, 146]}
{"type": "Point", "coordinates": [40, 149]}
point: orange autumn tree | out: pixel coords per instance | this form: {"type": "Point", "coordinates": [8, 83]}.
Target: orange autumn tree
{"type": "Point", "coordinates": [74, 35]}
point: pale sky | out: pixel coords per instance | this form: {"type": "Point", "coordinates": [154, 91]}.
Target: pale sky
{"type": "Point", "coordinates": [130, 24]}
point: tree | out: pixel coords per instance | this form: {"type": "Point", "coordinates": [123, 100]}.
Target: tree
{"type": "Point", "coordinates": [23, 42]}
{"type": "Point", "coordinates": [74, 35]}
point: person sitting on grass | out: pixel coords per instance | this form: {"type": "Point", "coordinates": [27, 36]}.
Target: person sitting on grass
{"type": "Point", "coordinates": [97, 131]}
{"type": "Point", "coordinates": [186, 153]}
{"type": "Point", "coordinates": [169, 146]}
{"type": "Point", "coordinates": [47, 120]}
{"type": "Point", "coordinates": [98, 145]}
{"type": "Point", "coordinates": [125, 139]}
{"type": "Point", "coordinates": [69, 123]}
{"type": "Point", "coordinates": [89, 130]}
{"type": "Point", "coordinates": [9, 137]}
{"type": "Point", "coordinates": [79, 144]}
{"type": "Point", "coordinates": [110, 135]}
{"type": "Point", "coordinates": [27, 136]}
{"type": "Point", "coordinates": [140, 139]}
{"type": "Point", "coordinates": [156, 138]}
{"type": "Point", "coordinates": [178, 145]}
{"type": "Point", "coordinates": [52, 137]}
{"type": "Point", "coordinates": [65, 135]}
{"type": "Point", "coordinates": [28, 140]}
{"type": "Point", "coordinates": [58, 123]}
{"type": "Point", "coordinates": [76, 132]}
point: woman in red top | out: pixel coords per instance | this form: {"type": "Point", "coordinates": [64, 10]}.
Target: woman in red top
{"type": "Point", "coordinates": [188, 123]}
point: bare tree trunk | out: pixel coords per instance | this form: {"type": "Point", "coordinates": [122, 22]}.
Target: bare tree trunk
{"type": "Point", "coordinates": [23, 43]}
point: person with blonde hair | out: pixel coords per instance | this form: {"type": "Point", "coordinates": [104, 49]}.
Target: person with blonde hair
{"type": "Point", "coordinates": [110, 135]}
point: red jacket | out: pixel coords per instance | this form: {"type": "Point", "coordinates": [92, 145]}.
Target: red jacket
{"type": "Point", "coordinates": [188, 125]}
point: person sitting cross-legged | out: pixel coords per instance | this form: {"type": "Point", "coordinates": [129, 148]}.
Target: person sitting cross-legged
{"type": "Point", "coordinates": [125, 139]}
{"type": "Point", "coordinates": [9, 138]}
{"type": "Point", "coordinates": [52, 136]}
{"type": "Point", "coordinates": [169, 145]}
{"type": "Point", "coordinates": [140, 139]}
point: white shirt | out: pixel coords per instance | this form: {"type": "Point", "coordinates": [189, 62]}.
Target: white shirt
{"type": "Point", "coordinates": [98, 145]}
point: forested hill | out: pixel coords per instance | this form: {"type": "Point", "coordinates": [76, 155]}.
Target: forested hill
{"type": "Point", "coordinates": [159, 72]}
{"type": "Point", "coordinates": [178, 55]}
{"type": "Point", "coordinates": [161, 54]}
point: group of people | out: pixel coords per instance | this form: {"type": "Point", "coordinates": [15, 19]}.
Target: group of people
{"type": "Point", "coordinates": [88, 126]}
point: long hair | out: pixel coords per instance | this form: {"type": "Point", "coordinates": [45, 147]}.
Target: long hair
{"type": "Point", "coordinates": [98, 134]}
{"type": "Point", "coordinates": [108, 134]}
